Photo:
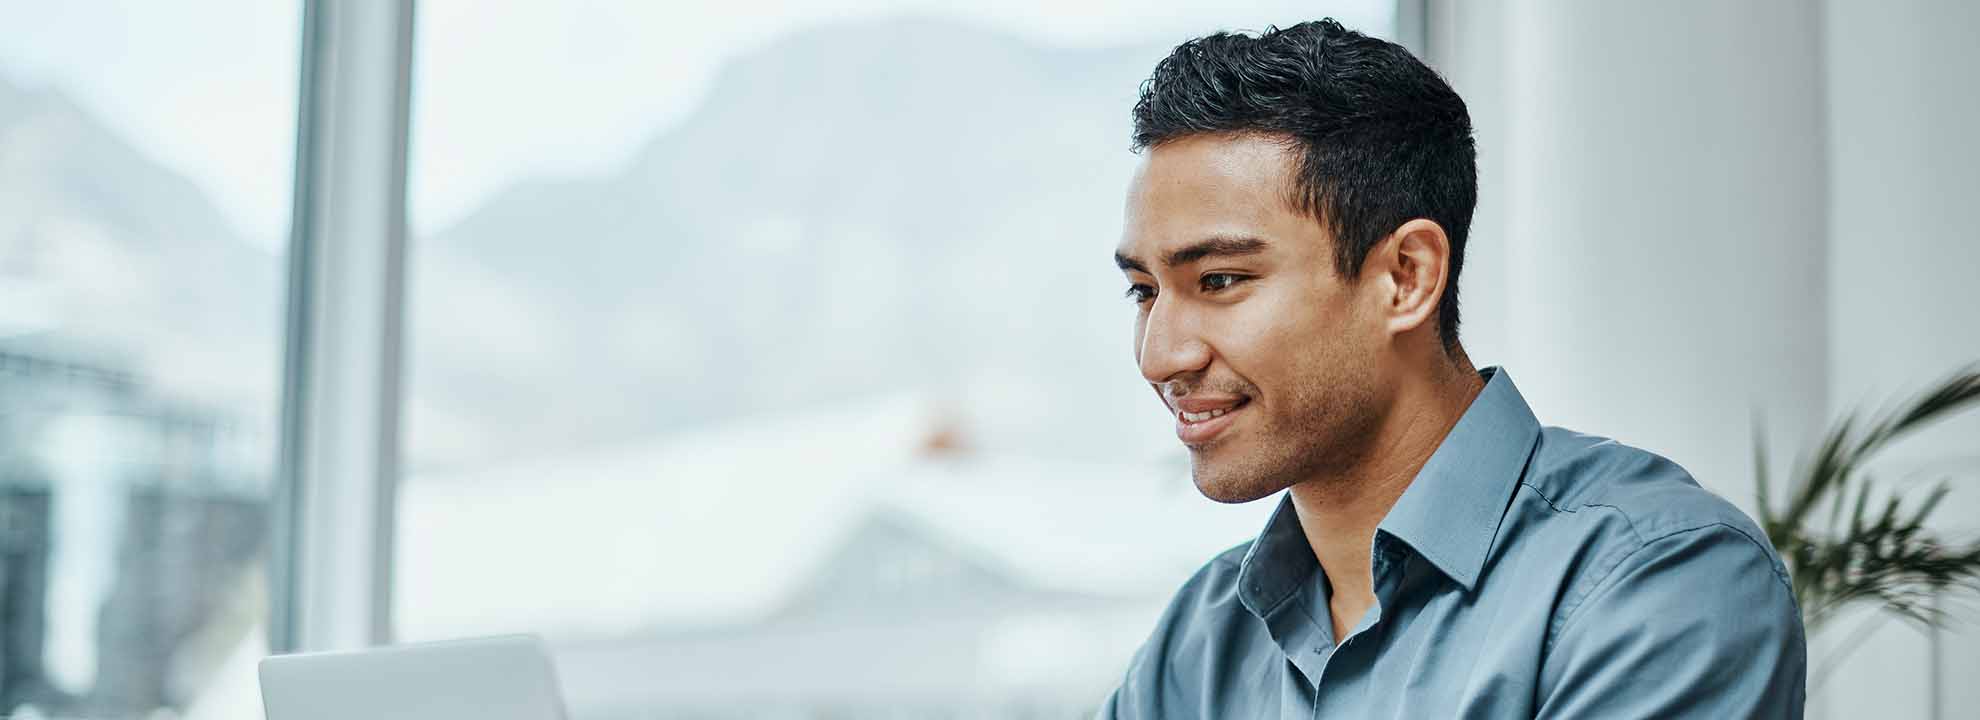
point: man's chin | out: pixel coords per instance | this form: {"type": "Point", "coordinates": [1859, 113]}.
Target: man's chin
{"type": "Point", "coordinates": [1228, 487]}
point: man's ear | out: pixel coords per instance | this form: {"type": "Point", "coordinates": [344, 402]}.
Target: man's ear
{"type": "Point", "coordinates": [1410, 268]}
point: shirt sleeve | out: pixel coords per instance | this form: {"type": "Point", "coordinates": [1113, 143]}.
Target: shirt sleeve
{"type": "Point", "coordinates": [1142, 689]}
{"type": "Point", "coordinates": [1120, 704]}
{"type": "Point", "coordinates": [1693, 624]}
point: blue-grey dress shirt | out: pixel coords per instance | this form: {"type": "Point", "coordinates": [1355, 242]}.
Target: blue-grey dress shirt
{"type": "Point", "coordinates": [1525, 572]}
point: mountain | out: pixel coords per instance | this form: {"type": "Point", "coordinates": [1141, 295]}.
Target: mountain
{"type": "Point", "coordinates": [855, 208]}
{"type": "Point", "coordinates": [101, 247]}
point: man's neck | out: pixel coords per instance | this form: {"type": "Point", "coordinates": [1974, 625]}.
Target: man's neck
{"type": "Point", "coordinates": [1339, 514]}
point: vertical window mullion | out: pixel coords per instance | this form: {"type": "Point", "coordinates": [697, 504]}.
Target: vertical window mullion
{"type": "Point", "coordinates": [338, 468]}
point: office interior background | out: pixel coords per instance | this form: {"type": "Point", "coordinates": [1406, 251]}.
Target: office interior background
{"type": "Point", "coordinates": [769, 351]}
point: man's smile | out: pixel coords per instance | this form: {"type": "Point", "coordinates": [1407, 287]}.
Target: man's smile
{"type": "Point", "coordinates": [1200, 419]}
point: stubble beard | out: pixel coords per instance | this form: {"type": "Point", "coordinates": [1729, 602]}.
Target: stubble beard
{"type": "Point", "coordinates": [1320, 438]}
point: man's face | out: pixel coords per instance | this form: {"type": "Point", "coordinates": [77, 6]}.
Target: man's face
{"type": "Point", "coordinates": [1261, 352]}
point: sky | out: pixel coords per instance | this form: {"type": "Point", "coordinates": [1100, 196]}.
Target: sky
{"type": "Point", "coordinates": [205, 87]}
{"type": "Point", "coordinates": [502, 90]}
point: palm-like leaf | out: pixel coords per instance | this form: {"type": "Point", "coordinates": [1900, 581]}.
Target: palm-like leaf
{"type": "Point", "coordinates": [1868, 553]}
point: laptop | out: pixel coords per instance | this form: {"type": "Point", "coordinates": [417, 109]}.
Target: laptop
{"type": "Point", "coordinates": [501, 678]}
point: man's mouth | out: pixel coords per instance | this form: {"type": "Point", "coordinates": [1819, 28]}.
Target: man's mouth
{"type": "Point", "coordinates": [1199, 420]}
{"type": "Point", "coordinates": [1198, 417]}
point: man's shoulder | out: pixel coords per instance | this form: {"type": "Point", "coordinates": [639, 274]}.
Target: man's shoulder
{"type": "Point", "coordinates": [1580, 473]}
{"type": "Point", "coordinates": [1620, 507]}
{"type": "Point", "coordinates": [1635, 526]}
{"type": "Point", "coordinates": [1655, 573]}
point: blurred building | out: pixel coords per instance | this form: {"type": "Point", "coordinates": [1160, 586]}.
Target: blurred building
{"type": "Point", "coordinates": [189, 529]}
{"type": "Point", "coordinates": [182, 559]}
{"type": "Point", "coordinates": [23, 590]}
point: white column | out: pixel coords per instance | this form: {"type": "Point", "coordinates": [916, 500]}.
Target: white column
{"type": "Point", "coordinates": [1903, 105]}
{"type": "Point", "coordinates": [1651, 263]}
{"type": "Point", "coordinates": [332, 569]}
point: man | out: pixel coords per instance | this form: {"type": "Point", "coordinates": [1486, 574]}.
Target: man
{"type": "Point", "coordinates": [1293, 239]}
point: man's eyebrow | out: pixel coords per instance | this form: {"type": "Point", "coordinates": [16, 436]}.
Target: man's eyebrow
{"type": "Point", "coordinates": [1222, 246]}
{"type": "Point", "coordinates": [1127, 263]}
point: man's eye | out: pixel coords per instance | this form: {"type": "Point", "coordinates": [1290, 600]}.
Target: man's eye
{"type": "Point", "coordinates": [1221, 281]}
{"type": "Point", "coordinates": [1140, 293]}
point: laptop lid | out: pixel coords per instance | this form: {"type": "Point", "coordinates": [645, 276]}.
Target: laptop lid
{"type": "Point", "coordinates": [502, 678]}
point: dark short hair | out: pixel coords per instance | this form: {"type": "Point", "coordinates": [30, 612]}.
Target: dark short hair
{"type": "Point", "coordinates": [1383, 139]}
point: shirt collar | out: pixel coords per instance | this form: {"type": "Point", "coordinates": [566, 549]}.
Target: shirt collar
{"type": "Point", "coordinates": [1279, 561]}
{"type": "Point", "coordinates": [1449, 514]}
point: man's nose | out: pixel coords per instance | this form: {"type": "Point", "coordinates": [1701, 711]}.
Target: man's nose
{"type": "Point", "coordinates": [1171, 343]}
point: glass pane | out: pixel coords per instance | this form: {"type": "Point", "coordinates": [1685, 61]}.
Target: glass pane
{"type": "Point", "coordinates": [775, 353]}
{"type": "Point", "coordinates": [145, 170]}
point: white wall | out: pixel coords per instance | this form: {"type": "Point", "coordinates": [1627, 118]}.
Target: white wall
{"type": "Point", "coordinates": [1903, 79]}
{"type": "Point", "coordinates": [1691, 211]}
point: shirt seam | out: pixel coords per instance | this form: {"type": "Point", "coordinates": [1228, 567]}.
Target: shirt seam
{"type": "Point", "coordinates": [1779, 573]}
{"type": "Point", "coordinates": [1631, 521]}
{"type": "Point", "coordinates": [1582, 590]}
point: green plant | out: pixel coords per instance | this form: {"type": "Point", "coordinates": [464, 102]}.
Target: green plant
{"type": "Point", "coordinates": [1868, 553]}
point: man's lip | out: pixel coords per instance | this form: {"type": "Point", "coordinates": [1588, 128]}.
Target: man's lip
{"type": "Point", "coordinates": [1194, 403]}
{"type": "Point", "coordinates": [1197, 433]}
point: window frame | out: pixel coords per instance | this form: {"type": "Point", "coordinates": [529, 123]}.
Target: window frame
{"type": "Point", "coordinates": [336, 475]}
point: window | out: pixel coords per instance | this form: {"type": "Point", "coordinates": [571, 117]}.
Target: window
{"type": "Point", "coordinates": [774, 353]}
{"type": "Point", "coordinates": [145, 172]}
